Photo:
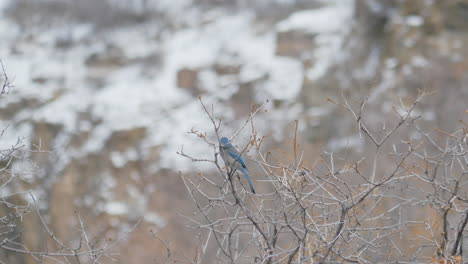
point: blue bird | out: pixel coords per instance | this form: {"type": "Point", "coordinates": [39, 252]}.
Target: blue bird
{"type": "Point", "coordinates": [233, 159]}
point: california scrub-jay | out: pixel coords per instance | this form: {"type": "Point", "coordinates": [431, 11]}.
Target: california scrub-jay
{"type": "Point", "coordinates": [233, 159]}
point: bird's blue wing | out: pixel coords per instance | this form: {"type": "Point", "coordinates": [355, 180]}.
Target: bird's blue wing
{"type": "Point", "coordinates": [237, 156]}
{"type": "Point", "coordinates": [247, 177]}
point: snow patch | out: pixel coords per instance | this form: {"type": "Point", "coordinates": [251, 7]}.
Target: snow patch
{"type": "Point", "coordinates": [116, 208]}
{"type": "Point", "coordinates": [327, 19]}
{"type": "Point", "coordinates": [414, 21]}
{"type": "Point", "coordinates": [119, 159]}
{"type": "Point", "coordinates": [154, 219]}
{"type": "Point", "coordinates": [330, 24]}
{"type": "Point", "coordinates": [285, 81]}
{"type": "Point", "coordinates": [121, 97]}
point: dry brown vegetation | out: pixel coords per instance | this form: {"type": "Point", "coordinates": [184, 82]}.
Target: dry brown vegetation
{"type": "Point", "coordinates": [403, 201]}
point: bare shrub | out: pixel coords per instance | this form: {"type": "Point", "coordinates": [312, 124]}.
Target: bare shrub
{"type": "Point", "coordinates": [19, 208]}
{"type": "Point", "coordinates": [404, 200]}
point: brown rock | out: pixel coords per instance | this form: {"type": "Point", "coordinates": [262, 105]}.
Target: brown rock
{"type": "Point", "coordinates": [294, 43]}
{"type": "Point", "coordinates": [111, 57]}
{"type": "Point", "coordinates": [124, 140]}
{"type": "Point", "coordinates": [243, 99]}
{"type": "Point", "coordinates": [223, 69]}
{"type": "Point", "coordinates": [187, 78]}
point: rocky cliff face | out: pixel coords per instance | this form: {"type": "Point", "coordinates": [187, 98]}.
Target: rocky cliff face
{"type": "Point", "coordinates": [112, 97]}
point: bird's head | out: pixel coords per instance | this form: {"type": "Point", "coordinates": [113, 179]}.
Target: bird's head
{"type": "Point", "coordinates": [224, 142]}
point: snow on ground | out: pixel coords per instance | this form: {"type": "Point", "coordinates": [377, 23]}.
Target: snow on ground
{"type": "Point", "coordinates": [128, 97]}
{"type": "Point", "coordinates": [330, 23]}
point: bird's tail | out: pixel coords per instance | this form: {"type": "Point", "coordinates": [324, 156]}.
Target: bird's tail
{"type": "Point", "coordinates": [244, 170]}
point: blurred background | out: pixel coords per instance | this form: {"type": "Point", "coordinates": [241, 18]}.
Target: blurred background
{"type": "Point", "coordinates": [108, 90]}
